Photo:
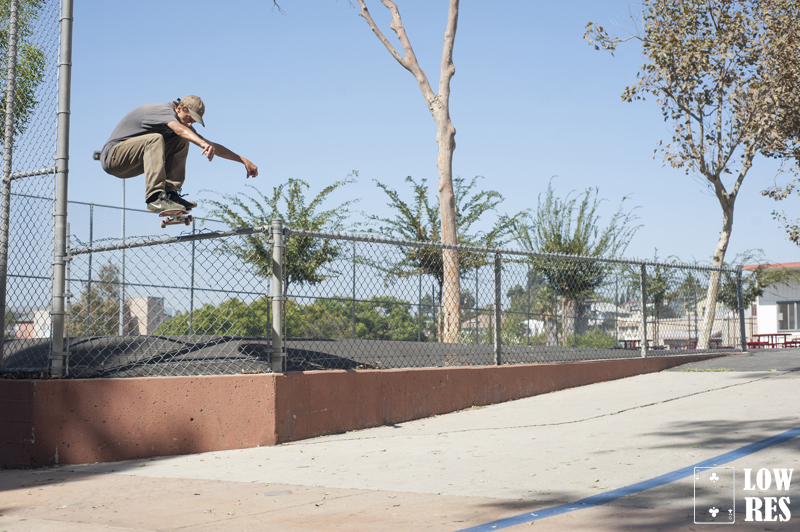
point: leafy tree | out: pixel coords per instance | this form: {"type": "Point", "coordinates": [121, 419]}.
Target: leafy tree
{"type": "Point", "coordinates": [593, 339]}
{"type": "Point", "coordinates": [534, 301]}
{"type": "Point", "coordinates": [307, 259]}
{"type": "Point", "coordinates": [30, 62]}
{"type": "Point", "coordinates": [779, 193]}
{"type": "Point", "coordinates": [754, 280]}
{"type": "Point", "coordinates": [232, 317]}
{"type": "Point", "coordinates": [380, 318]}
{"type": "Point", "coordinates": [660, 285]}
{"type": "Point", "coordinates": [725, 75]}
{"type": "Point", "coordinates": [571, 227]}
{"type": "Point", "coordinates": [97, 311]}
{"type": "Point", "coordinates": [418, 221]}
{"type": "Point", "coordinates": [688, 297]}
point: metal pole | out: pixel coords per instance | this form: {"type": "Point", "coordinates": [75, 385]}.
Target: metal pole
{"type": "Point", "coordinates": [477, 312]}
{"type": "Point", "coordinates": [191, 286]}
{"type": "Point", "coordinates": [419, 310]}
{"type": "Point", "coordinates": [616, 310]}
{"type": "Point", "coordinates": [66, 314]}
{"type": "Point", "coordinates": [89, 283]}
{"type": "Point", "coordinates": [434, 305]}
{"type": "Point", "coordinates": [353, 334]}
{"type": "Point", "coordinates": [277, 361]}
{"type": "Point", "coordinates": [740, 299]}
{"type": "Point", "coordinates": [122, 260]}
{"type": "Point", "coordinates": [643, 326]}
{"type": "Point", "coordinates": [528, 308]}
{"type": "Point", "coordinates": [58, 356]}
{"type": "Point", "coordinates": [8, 145]}
{"type": "Point", "coordinates": [497, 328]}
{"type": "Point", "coordinates": [694, 307]}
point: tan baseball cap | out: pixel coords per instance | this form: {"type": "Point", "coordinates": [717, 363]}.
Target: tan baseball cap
{"type": "Point", "coordinates": [195, 106]}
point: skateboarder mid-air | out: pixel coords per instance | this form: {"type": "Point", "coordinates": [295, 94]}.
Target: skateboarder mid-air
{"type": "Point", "coordinates": [154, 140]}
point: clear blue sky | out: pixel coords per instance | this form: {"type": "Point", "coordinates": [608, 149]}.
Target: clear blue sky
{"type": "Point", "coordinates": [313, 94]}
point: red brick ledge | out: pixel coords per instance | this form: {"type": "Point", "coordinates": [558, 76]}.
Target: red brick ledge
{"type": "Point", "coordinates": [48, 422]}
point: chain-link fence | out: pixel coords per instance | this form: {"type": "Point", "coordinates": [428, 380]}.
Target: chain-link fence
{"type": "Point", "coordinates": [205, 302]}
{"type": "Point", "coordinates": [383, 304]}
{"type": "Point", "coordinates": [214, 301]}
{"type": "Point", "coordinates": [91, 225]}
{"type": "Point", "coordinates": [31, 35]}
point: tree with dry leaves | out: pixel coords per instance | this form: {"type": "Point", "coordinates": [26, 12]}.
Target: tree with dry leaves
{"type": "Point", "coordinates": [439, 107]}
{"type": "Point", "coordinates": [780, 193]}
{"type": "Point", "coordinates": [722, 72]}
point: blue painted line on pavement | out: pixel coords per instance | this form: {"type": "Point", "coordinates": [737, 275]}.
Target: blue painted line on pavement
{"type": "Point", "coordinates": [609, 496]}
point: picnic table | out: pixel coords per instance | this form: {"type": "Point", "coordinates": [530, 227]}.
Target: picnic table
{"type": "Point", "coordinates": [769, 340]}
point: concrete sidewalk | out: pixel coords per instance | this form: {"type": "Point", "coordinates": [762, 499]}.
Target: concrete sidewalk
{"type": "Point", "coordinates": [484, 468]}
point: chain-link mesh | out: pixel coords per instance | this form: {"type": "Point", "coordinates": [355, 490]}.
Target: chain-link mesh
{"type": "Point", "coordinates": [186, 306]}
{"type": "Point", "coordinates": [385, 305]}
{"type": "Point", "coordinates": [30, 249]}
{"type": "Point", "coordinates": [164, 306]}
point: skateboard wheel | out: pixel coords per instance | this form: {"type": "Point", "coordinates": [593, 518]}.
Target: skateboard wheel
{"type": "Point", "coordinates": [163, 224]}
{"type": "Point", "coordinates": [186, 222]}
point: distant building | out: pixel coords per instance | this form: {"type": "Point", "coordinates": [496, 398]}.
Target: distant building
{"type": "Point", "coordinates": [778, 310]}
{"type": "Point", "coordinates": [482, 322]}
{"type": "Point", "coordinates": [146, 314]}
{"type": "Point", "coordinates": [29, 322]}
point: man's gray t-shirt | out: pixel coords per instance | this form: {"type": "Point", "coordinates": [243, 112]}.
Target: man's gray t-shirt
{"type": "Point", "coordinates": [150, 118]}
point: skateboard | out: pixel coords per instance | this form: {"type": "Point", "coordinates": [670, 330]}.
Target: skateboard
{"type": "Point", "coordinates": [174, 217]}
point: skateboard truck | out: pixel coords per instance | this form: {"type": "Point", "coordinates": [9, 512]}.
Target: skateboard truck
{"type": "Point", "coordinates": [175, 217]}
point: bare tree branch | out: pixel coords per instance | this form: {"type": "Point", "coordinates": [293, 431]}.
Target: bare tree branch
{"type": "Point", "coordinates": [448, 69]}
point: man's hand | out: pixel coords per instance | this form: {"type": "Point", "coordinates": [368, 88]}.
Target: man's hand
{"type": "Point", "coordinates": [209, 151]}
{"type": "Point", "coordinates": [252, 170]}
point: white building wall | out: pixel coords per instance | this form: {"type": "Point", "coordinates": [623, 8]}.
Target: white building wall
{"type": "Point", "coordinates": [146, 314]}
{"type": "Point", "coordinates": [767, 305]}
{"type": "Point", "coordinates": [41, 323]}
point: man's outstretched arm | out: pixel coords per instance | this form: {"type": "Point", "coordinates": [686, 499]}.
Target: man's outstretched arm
{"type": "Point", "coordinates": [225, 153]}
{"type": "Point", "coordinates": [212, 148]}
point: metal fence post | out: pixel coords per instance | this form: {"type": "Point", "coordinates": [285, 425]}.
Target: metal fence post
{"type": "Point", "coordinates": [740, 300]}
{"type": "Point", "coordinates": [8, 145]}
{"type": "Point", "coordinates": [278, 358]}
{"type": "Point", "coordinates": [122, 262]}
{"type": "Point", "coordinates": [419, 310]}
{"type": "Point", "coordinates": [477, 307]}
{"type": "Point", "coordinates": [644, 310]}
{"type": "Point", "coordinates": [89, 281]}
{"type": "Point", "coordinates": [498, 266]}
{"type": "Point", "coordinates": [191, 285]}
{"type": "Point", "coordinates": [58, 355]}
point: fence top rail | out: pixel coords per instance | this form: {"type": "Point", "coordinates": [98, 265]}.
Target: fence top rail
{"type": "Point", "coordinates": [145, 242]}
{"type": "Point", "coordinates": [33, 173]}
{"type": "Point", "coordinates": [372, 238]}
{"type": "Point", "coordinates": [92, 204]}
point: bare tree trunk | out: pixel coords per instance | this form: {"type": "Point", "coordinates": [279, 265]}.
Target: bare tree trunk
{"type": "Point", "coordinates": [447, 206]}
{"type": "Point", "coordinates": [439, 106]}
{"type": "Point", "coordinates": [713, 283]}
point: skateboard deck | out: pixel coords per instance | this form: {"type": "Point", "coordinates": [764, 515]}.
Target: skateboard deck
{"type": "Point", "coordinates": [174, 217]}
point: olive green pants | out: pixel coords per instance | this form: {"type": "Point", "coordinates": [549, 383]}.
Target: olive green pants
{"type": "Point", "coordinates": [163, 163]}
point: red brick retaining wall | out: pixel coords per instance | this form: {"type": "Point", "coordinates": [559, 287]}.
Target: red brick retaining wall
{"type": "Point", "coordinates": [47, 422]}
